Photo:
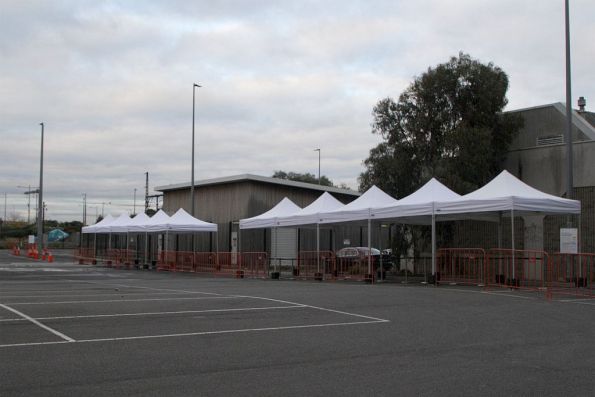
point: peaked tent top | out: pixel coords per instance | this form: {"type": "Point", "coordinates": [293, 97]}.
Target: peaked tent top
{"type": "Point", "coordinates": [125, 225]}
{"type": "Point", "coordinates": [104, 222]}
{"type": "Point", "coordinates": [421, 203]}
{"type": "Point", "coordinates": [118, 225]}
{"type": "Point", "coordinates": [142, 226]}
{"type": "Point", "coordinates": [506, 193]}
{"type": "Point", "coordinates": [182, 221]}
{"type": "Point", "coordinates": [311, 214]}
{"type": "Point", "coordinates": [285, 207]}
{"type": "Point", "coordinates": [360, 208]}
{"type": "Point", "coordinates": [431, 191]}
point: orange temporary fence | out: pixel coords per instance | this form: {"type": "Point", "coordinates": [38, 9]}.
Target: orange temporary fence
{"type": "Point", "coordinates": [523, 269]}
{"type": "Point", "coordinates": [315, 265]}
{"type": "Point", "coordinates": [245, 264]}
{"type": "Point", "coordinates": [354, 268]}
{"type": "Point", "coordinates": [571, 274]}
{"type": "Point", "coordinates": [254, 264]}
{"type": "Point", "coordinates": [460, 266]}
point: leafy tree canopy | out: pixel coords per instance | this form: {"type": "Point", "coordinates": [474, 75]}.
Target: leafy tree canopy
{"type": "Point", "coordinates": [307, 177]}
{"type": "Point", "coordinates": [447, 124]}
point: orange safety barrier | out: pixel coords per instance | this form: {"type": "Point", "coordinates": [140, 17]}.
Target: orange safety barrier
{"type": "Point", "coordinates": [254, 264]}
{"type": "Point", "coordinates": [571, 274]}
{"type": "Point", "coordinates": [208, 262]}
{"type": "Point", "coordinates": [315, 265]}
{"type": "Point", "coordinates": [354, 268]}
{"type": "Point", "coordinates": [82, 255]}
{"type": "Point", "coordinates": [460, 266]}
{"type": "Point", "coordinates": [516, 268]}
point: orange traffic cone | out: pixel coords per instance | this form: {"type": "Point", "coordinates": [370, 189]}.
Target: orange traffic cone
{"type": "Point", "coordinates": [50, 257]}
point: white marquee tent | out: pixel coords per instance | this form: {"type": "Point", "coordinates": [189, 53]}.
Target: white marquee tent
{"type": "Point", "coordinates": [311, 214]}
{"type": "Point", "coordinates": [102, 223]}
{"type": "Point", "coordinates": [284, 208]}
{"type": "Point", "coordinates": [181, 221]}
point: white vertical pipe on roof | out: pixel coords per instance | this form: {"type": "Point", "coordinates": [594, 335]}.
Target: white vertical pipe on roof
{"type": "Point", "coordinates": [369, 245]}
{"type": "Point", "coordinates": [513, 253]}
{"type": "Point", "coordinates": [318, 247]}
{"type": "Point", "coordinates": [434, 240]}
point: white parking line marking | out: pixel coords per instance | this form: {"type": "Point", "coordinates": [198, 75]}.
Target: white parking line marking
{"type": "Point", "coordinates": [123, 300]}
{"type": "Point", "coordinates": [159, 313]}
{"type": "Point", "coordinates": [229, 331]}
{"type": "Point", "coordinates": [316, 307]}
{"type": "Point", "coordinates": [53, 331]}
{"type": "Point", "coordinates": [90, 295]}
{"type": "Point", "coordinates": [151, 288]}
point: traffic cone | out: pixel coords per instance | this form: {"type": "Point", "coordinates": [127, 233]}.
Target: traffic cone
{"type": "Point", "coordinates": [50, 257]}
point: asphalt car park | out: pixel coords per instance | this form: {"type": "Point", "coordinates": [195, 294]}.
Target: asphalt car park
{"type": "Point", "coordinates": [67, 329]}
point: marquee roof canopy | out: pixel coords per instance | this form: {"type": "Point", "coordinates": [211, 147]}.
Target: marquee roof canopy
{"type": "Point", "coordinates": [507, 193]}
{"type": "Point", "coordinates": [102, 223]}
{"type": "Point", "coordinates": [360, 208]}
{"type": "Point", "coordinates": [311, 214]}
{"type": "Point", "coordinates": [181, 221]}
{"type": "Point", "coordinates": [285, 207]}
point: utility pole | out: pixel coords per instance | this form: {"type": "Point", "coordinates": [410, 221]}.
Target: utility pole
{"type": "Point", "coordinates": [134, 205]}
{"type": "Point", "coordinates": [569, 154]}
{"type": "Point", "coordinates": [146, 191]}
{"type": "Point", "coordinates": [40, 206]}
{"type": "Point", "coordinates": [84, 209]}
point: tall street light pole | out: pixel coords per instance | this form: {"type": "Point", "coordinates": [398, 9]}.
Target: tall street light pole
{"type": "Point", "coordinates": [40, 205]}
{"type": "Point", "coordinates": [569, 154]}
{"type": "Point", "coordinates": [194, 86]}
{"type": "Point", "coordinates": [318, 150]}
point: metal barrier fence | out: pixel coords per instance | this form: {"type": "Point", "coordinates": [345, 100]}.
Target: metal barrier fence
{"type": "Point", "coordinates": [523, 269]}
{"type": "Point", "coordinates": [245, 264]}
{"type": "Point", "coordinates": [355, 268]}
{"type": "Point", "coordinates": [254, 264]}
{"type": "Point", "coordinates": [315, 265]}
{"type": "Point", "coordinates": [460, 266]}
{"type": "Point", "coordinates": [571, 274]}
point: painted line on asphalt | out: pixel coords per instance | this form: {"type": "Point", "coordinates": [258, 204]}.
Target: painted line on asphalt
{"type": "Point", "coordinates": [157, 313]}
{"type": "Point", "coordinates": [122, 300]}
{"type": "Point", "coordinates": [202, 333]}
{"type": "Point", "coordinates": [153, 288]}
{"type": "Point", "coordinates": [53, 331]}
{"type": "Point", "coordinates": [317, 308]}
{"type": "Point", "coordinates": [503, 294]}
{"type": "Point", "coordinates": [91, 295]}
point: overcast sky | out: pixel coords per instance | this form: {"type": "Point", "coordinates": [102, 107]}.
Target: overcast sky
{"type": "Point", "coordinates": [112, 81]}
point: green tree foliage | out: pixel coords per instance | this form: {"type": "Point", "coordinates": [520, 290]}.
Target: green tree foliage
{"type": "Point", "coordinates": [307, 177]}
{"type": "Point", "coordinates": [447, 124]}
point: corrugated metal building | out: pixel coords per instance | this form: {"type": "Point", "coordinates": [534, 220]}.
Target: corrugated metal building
{"type": "Point", "coordinates": [226, 200]}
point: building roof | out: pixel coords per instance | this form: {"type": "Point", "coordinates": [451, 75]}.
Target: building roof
{"type": "Point", "coordinates": [582, 121]}
{"type": "Point", "coordinates": [257, 178]}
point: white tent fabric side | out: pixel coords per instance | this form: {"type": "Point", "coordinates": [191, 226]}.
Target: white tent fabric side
{"type": "Point", "coordinates": [268, 219]}
{"type": "Point", "coordinates": [139, 219]}
{"type": "Point", "coordinates": [418, 204]}
{"type": "Point", "coordinates": [420, 207]}
{"type": "Point", "coordinates": [104, 222]}
{"type": "Point", "coordinates": [182, 221]}
{"type": "Point", "coordinates": [106, 228]}
{"type": "Point", "coordinates": [504, 193]}
{"type": "Point", "coordinates": [158, 218]}
{"type": "Point", "coordinates": [311, 214]}
{"type": "Point", "coordinates": [119, 225]}
{"type": "Point", "coordinates": [360, 208]}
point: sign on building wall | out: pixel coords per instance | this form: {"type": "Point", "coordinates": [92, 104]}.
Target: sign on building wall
{"type": "Point", "coordinates": [568, 240]}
